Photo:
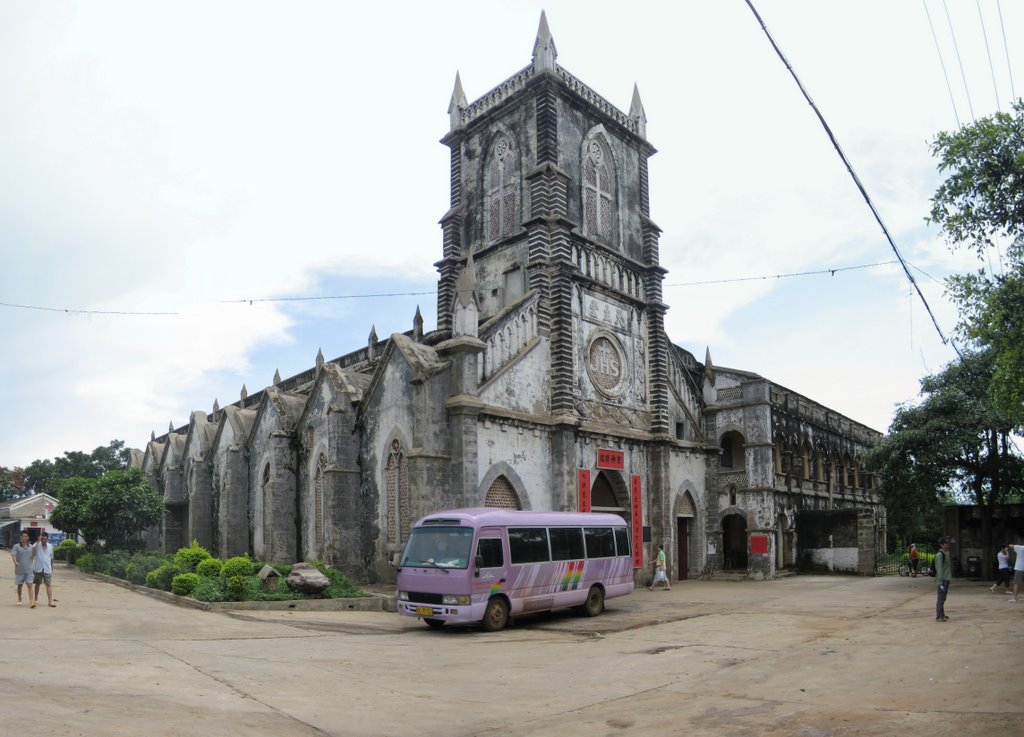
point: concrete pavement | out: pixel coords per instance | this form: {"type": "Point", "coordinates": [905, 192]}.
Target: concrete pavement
{"type": "Point", "coordinates": [809, 655]}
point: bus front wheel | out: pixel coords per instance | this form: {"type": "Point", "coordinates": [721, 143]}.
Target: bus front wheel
{"type": "Point", "coordinates": [496, 615]}
{"type": "Point", "coordinates": [594, 604]}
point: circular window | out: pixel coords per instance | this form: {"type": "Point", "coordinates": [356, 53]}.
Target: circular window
{"type": "Point", "coordinates": [606, 364]}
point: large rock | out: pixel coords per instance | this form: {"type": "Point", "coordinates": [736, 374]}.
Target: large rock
{"type": "Point", "coordinates": [306, 579]}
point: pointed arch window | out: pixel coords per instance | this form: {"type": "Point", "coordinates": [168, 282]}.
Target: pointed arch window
{"type": "Point", "coordinates": [399, 509]}
{"type": "Point", "coordinates": [318, 501]}
{"type": "Point", "coordinates": [502, 495]}
{"type": "Point", "coordinates": [598, 201]}
{"type": "Point", "coordinates": [502, 190]}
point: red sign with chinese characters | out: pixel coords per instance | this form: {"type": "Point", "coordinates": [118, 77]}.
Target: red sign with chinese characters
{"type": "Point", "coordinates": [759, 544]}
{"type": "Point", "coordinates": [637, 519]}
{"type": "Point", "coordinates": [583, 488]}
{"type": "Point", "coordinates": [614, 459]}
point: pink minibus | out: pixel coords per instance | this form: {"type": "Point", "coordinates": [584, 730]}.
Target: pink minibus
{"type": "Point", "coordinates": [486, 565]}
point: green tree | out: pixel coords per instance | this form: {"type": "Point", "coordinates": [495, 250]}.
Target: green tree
{"type": "Point", "coordinates": [980, 205]}
{"type": "Point", "coordinates": [953, 444]}
{"type": "Point", "coordinates": [46, 476]}
{"type": "Point", "coordinates": [115, 508]}
{"type": "Point", "coordinates": [12, 483]}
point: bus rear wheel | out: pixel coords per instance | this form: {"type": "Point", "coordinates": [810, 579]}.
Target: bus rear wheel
{"type": "Point", "coordinates": [594, 604]}
{"type": "Point", "coordinates": [496, 615]}
{"type": "Point", "coordinates": [434, 624]}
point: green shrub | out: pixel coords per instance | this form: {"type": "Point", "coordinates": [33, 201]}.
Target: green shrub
{"type": "Point", "coordinates": [162, 576]}
{"type": "Point", "coordinates": [188, 558]}
{"type": "Point", "coordinates": [61, 551]}
{"type": "Point", "coordinates": [140, 565]}
{"type": "Point", "coordinates": [209, 568]}
{"type": "Point", "coordinates": [209, 589]}
{"type": "Point", "coordinates": [115, 563]}
{"type": "Point", "coordinates": [341, 587]}
{"type": "Point", "coordinates": [243, 588]}
{"type": "Point", "coordinates": [72, 552]}
{"type": "Point", "coordinates": [184, 583]}
{"type": "Point", "coordinates": [240, 566]}
{"type": "Point", "coordinates": [88, 562]}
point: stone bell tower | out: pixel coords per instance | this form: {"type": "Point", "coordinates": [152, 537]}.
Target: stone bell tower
{"type": "Point", "coordinates": [549, 192]}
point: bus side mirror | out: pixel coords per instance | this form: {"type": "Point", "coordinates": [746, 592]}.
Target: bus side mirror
{"type": "Point", "coordinates": [479, 561]}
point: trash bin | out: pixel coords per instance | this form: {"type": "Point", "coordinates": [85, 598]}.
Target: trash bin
{"type": "Point", "coordinates": [973, 566]}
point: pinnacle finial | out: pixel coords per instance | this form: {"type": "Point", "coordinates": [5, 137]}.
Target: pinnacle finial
{"type": "Point", "coordinates": [457, 104]}
{"type": "Point", "coordinates": [417, 325]}
{"type": "Point", "coordinates": [170, 426]}
{"type": "Point", "coordinates": [372, 338]}
{"type": "Point", "coordinates": [636, 112]}
{"type": "Point", "coordinates": [319, 359]}
{"type": "Point", "coordinates": [216, 406]}
{"type": "Point", "coordinates": [466, 285]}
{"type": "Point", "coordinates": [152, 434]}
{"type": "Point", "coordinates": [243, 395]}
{"type": "Point", "coordinates": [277, 377]}
{"type": "Point", "coordinates": [544, 51]}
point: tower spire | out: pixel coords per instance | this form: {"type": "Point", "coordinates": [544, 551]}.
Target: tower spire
{"type": "Point", "coordinates": [544, 51]}
{"type": "Point", "coordinates": [457, 104]}
{"type": "Point", "coordinates": [636, 112]}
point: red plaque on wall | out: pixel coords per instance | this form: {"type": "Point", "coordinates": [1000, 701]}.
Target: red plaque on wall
{"type": "Point", "coordinates": [614, 459]}
{"type": "Point", "coordinates": [583, 488]}
{"type": "Point", "coordinates": [637, 519]}
{"type": "Point", "coordinates": [759, 545]}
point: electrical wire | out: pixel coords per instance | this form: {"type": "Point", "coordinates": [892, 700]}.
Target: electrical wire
{"type": "Point", "coordinates": [856, 179]}
{"type": "Point", "coordinates": [831, 272]}
{"type": "Point", "coordinates": [72, 311]}
{"type": "Point", "coordinates": [988, 51]}
{"type": "Point", "coordinates": [956, 47]}
{"type": "Point", "coordinates": [942, 63]}
{"type": "Point", "coordinates": [1006, 46]}
{"type": "Point", "coordinates": [311, 299]}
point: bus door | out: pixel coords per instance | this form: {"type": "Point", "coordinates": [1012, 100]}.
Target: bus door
{"type": "Point", "coordinates": [490, 564]}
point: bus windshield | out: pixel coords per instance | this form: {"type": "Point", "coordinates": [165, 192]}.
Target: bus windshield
{"type": "Point", "coordinates": [438, 547]}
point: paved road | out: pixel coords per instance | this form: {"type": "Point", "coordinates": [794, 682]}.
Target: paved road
{"type": "Point", "coordinates": [809, 656]}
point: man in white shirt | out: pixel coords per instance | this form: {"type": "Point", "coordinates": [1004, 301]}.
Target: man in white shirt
{"type": "Point", "coordinates": [1018, 572]}
{"type": "Point", "coordinates": [42, 566]}
{"type": "Point", "coordinates": [1003, 575]}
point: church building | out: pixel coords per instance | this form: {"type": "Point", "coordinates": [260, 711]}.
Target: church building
{"type": "Point", "coordinates": [549, 383]}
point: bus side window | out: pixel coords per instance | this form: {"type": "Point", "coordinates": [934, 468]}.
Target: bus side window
{"type": "Point", "coordinates": [489, 552]}
{"type": "Point", "coordinates": [622, 541]}
{"type": "Point", "coordinates": [600, 542]}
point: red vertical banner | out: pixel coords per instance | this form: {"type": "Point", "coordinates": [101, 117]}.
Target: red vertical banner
{"type": "Point", "coordinates": [638, 521]}
{"type": "Point", "coordinates": [583, 486]}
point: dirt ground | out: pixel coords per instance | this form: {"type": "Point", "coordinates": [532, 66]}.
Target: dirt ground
{"type": "Point", "coordinates": [811, 656]}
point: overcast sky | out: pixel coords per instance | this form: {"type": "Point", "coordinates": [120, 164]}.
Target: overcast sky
{"type": "Point", "coordinates": [173, 157]}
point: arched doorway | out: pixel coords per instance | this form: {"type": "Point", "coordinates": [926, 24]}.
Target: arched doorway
{"type": "Point", "coordinates": [685, 515]}
{"type": "Point", "coordinates": [608, 494]}
{"type": "Point", "coordinates": [734, 541]}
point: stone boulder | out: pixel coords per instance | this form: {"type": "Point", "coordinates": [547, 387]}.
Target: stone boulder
{"type": "Point", "coordinates": [306, 579]}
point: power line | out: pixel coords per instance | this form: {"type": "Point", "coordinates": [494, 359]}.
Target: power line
{"type": "Point", "coordinates": [1009, 66]}
{"type": "Point", "coordinates": [956, 47]}
{"type": "Point", "coordinates": [942, 63]}
{"type": "Point", "coordinates": [989, 53]}
{"type": "Point", "coordinates": [853, 174]}
{"type": "Point", "coordinates": [339, 296]}
{"type": "Point", "coordinates": [831, 272]}
{"type": "Point", "coordinates": [73, 311]}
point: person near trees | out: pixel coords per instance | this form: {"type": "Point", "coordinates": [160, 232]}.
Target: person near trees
{"type": "Point", "coordinates": [1003, 569]}
{"type": "Point", "coordinates": [943, 577]}
{"type": "Point", "coordinates": [21, 553]}
{"type": "Point", "coordinates": [914, 557]}
{"type": "Point", "coordinates": [42, 567]}
{"type": "Point", "coordinates": [1018, 572]}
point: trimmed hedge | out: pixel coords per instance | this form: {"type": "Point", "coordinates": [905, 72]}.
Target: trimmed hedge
{"type": "Point", "coordinates": [240, 566]}
{"type": "Point", "coordinates": [209, 568]}
{"type": "Point", "coordinates": [188, 558]}
{"type": "Point", "coordinates": [184, 583]}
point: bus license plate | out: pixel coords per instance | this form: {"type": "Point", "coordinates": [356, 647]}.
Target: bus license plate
{"type": "Point", "coordinates": [424, 611]}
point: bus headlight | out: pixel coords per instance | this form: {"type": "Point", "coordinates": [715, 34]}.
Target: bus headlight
{"type": "Point", "coordinates": [403, 595]}
{"type": "Point", "coordinates": [452, 599]}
